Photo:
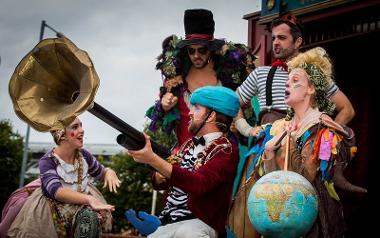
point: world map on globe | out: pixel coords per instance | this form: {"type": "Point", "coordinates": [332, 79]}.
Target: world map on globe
{"type": "Point", "coordinates": [282, 204]}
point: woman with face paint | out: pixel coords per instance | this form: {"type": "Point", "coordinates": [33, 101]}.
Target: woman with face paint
{"type": "Point", "coordinates": [319, 148]}
{"type": "Point", "coordinates": [67, 204]}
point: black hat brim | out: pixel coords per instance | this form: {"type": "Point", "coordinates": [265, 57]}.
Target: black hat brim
{"type": "Point", "coordinates": [216, 44]}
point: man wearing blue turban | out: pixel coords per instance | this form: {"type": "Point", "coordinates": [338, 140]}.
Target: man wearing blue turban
{"type": "Point", "coordinates": [200, 175]}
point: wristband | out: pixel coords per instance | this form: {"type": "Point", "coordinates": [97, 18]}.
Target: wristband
{"type": "Point", "coordinates": [243, 127]}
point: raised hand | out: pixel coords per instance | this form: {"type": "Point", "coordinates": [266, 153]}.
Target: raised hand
{"type": "Point", "coordinates": [168, 101]}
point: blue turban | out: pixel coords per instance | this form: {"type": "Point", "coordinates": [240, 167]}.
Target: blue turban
{"type": "Point", "coordinates": [217, 98]}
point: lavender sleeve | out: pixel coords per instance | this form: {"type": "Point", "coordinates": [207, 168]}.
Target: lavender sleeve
{"type": "Point", "coordinates": [48, 174]}
{"type": "Point", "coordinates": [95, 169]}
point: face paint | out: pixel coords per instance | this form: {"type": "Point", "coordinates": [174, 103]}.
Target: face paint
{"type": "Point", "coordinates": [197, 109]}
{"type": "Point", "coordinates": [74, 129]}
{"type": "Point", "coordinates": [297, 85]}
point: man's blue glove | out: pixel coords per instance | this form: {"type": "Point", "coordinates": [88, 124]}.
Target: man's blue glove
{"type": "Point", "coordinates": [143, 222]}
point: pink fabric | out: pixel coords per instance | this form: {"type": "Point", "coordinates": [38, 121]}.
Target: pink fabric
{"type": "Point", "coordinates": [325, 147]}
{"type": "Point", "coordinates": [14, 204]}
{"type": "Point", "coordinates": [199, 36]}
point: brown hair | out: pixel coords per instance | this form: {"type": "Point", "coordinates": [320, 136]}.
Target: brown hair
{"type": "Point", "coordinates": [295, 27]}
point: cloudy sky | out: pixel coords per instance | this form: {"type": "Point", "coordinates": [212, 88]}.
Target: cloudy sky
{"type": "Point", "coordinates": [122, 38]}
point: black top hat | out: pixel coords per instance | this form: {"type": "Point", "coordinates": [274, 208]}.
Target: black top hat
{"type": "Point", "coordinates": [199, 29]}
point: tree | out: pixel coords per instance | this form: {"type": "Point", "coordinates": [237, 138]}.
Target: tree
{"type": "Point", "coordinates": [135, 191]}
{"type": "Point", "coordinates": [11, 149]}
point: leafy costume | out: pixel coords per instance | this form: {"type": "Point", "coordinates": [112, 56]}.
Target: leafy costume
{"type": "Point", "coordinates": [232, 64]}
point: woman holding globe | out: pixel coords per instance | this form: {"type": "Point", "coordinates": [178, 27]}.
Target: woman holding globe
{"type": "Point", "coordinates": [315, 146]}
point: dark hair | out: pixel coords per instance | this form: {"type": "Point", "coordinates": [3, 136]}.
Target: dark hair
{"type": "Point", "coordinates": [295, 28]}
{"type": "Point", "coordinates": [223, 122]}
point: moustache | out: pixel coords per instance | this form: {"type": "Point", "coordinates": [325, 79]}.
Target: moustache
{"type": "Point", "coordinates": [192, 119]}
{"type": "Point", "coordinates": [207, 121]}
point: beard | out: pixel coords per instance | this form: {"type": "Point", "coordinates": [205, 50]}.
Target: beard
{"type": "Point", "coordinates": [283, 54]}
{"type": "Point", "coordinates": [200, 64]}
{"type": "Point", "coordinates": [194, 125]}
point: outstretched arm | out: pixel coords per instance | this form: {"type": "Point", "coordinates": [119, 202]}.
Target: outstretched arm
{"type": "Point", "coordinates": [67, 195]}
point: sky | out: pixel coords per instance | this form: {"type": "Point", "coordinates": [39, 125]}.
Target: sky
{"type": "Point", "coordinates": [122, 38]}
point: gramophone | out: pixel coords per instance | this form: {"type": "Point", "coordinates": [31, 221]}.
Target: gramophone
{"type": "Point", "coordinates": [55, 82]}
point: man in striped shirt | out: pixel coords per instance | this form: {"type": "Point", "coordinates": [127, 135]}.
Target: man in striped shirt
{"type": "Point", "coordinates": [286, 40]}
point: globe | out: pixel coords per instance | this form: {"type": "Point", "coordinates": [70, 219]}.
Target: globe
{"type": "Point", "coordinates": [282, 204]}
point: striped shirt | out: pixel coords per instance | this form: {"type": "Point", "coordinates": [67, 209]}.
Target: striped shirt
{"type": "Point", "coordinates": [55, 173]}
{"type": "Point", "coordinates": [176, 208]}
{"type": "Point", "coordinates": [176, 203]}
{"type": "Point", "coordinates": [255, 85]}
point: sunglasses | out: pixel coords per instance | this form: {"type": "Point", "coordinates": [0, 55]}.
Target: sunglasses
{"type": "Point", "coordinates": [201, 50]}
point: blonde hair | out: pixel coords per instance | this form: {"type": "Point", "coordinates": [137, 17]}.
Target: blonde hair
{"type": "Point", "coordinates": [317, 65]}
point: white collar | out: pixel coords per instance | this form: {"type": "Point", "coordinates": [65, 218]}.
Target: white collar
{"type": "Point", "coordinates": [212, 136]}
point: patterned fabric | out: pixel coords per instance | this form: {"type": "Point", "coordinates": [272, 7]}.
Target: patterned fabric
{"type": "Point", "coordinates": [209, 185]}
{"type": "Point", "coordinates": [320, 83]}
{"type": "Point", "coordinates": [176, 205]}
{"type": "Point", "coordinates": [57, 135]}
{"type": "Point", "coordinates": [63, 216]}
{"type": "Point", "coordinates": [87, 224]}
{"type": "Point", "coordinates": [68, 173]}
{"type": "Point", "coordinates": [192, 158]}
{"type": "Point", "coordinates": [41, 215]}
{"type": "Point", "coordinates": [315, 150]}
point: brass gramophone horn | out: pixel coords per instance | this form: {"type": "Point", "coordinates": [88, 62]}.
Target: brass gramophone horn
{"type": "Point", "coordinates": [57, 81]}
